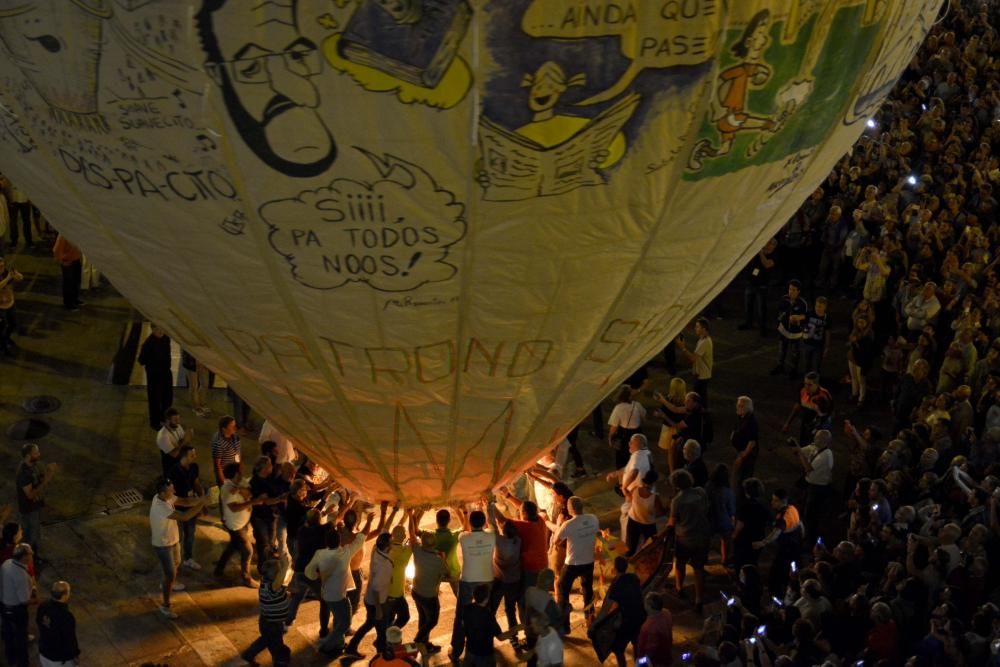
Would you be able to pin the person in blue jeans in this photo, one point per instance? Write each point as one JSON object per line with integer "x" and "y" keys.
{"x": 376, "y": 598}
{"x": 331, "y": 566}
{"x": 263, "y": 521}
{"x": 273, "y": 598}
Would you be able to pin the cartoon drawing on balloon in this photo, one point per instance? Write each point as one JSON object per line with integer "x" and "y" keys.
{"x": 578, "y": 86}
{"x": 781, "y": 80}
{"x": 264, "y": 67}
{"x": 392, "y": 234}
{"x": 893, "y": 54}
{"x": 57, "y": 45}
{"x": 734, "y": 85}
{"x": 406, "y": 47}
{"x": 553, "y": 153}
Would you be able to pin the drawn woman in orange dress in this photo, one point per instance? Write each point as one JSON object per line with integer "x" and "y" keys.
{"x": 734, "y": 86}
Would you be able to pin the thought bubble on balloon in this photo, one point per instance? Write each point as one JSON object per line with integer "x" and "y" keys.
{"x": 394, "y": 233}
{"x": 654, "y": 33}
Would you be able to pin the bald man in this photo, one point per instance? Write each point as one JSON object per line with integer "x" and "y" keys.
{"x": 57, "y": 645}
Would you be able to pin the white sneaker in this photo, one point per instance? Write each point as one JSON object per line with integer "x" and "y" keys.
{"x": 167, "y": 612}
{"x": 178, "y": 586}
{"x": 192, "y": 564}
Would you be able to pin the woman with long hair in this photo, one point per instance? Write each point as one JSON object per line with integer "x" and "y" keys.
{"x": 671, "y": 412}
{"x": 860, "y": 356}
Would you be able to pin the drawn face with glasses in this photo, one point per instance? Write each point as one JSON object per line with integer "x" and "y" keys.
{"x": 301, "y": 58}
{"x": 265, "y": 71}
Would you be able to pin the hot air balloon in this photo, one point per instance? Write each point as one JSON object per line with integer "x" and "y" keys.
{"x": 425, "y": 237}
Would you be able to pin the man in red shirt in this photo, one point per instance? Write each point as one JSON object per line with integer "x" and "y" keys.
{"x": 656, "y": 636}
{"x": 815, "y": 406}
{"x": 71, "y": 262}
{"x": 534, "y": 536}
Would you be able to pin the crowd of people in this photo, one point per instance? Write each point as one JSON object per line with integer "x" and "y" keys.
{"x": 894, "y": 565}
{"x": 304, "y": 535}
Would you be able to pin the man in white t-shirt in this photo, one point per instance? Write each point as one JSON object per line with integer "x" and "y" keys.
{"x": 639, "y": 463}
{"x": 817, "y": 465}
{"x": 626, "y": 419}
{"x": 476, "y": 544}
{"x": 580, "y": 535}
{"x": 332, "y": 566}
{"x": 166, "y": 536}
{"x": 170, "y": 438}
{"x": 237, "y": 502}
{"x": 285, "y": 451}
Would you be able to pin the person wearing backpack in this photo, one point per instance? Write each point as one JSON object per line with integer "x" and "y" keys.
{"x": 625, "y": 421}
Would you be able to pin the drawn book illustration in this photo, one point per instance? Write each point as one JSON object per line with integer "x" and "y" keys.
{"x": 416, "y": 44}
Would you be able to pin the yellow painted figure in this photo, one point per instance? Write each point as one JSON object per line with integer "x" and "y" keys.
{"x": 547, "y": 128}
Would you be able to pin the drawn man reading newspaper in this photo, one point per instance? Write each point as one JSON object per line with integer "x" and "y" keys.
{"x": 553, "y": 153}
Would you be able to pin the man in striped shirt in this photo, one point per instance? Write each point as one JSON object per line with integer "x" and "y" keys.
{"x": 225, "y": 447}
{"x": 273, "y": 612}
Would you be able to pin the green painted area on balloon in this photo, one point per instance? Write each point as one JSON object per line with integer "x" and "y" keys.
{"x": 846, "y": 49}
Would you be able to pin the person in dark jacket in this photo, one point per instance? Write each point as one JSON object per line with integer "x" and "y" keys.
{"x": 154, "y": 356}
{"x": 912, "y": 390}
{"x": 860, "y": 357}
{"x": 57, "y": 643}
{"x": 309, "y": 538}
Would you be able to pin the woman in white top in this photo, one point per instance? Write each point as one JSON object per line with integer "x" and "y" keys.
{"x": 626, "y": 421}
{"x": 645, "y": 507}
{"x": 811, "y": 604}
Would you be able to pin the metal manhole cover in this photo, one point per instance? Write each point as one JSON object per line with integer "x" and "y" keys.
{"x": 28, "y": 429}
{"x": 126, "y": 498}
{"x": 39, "y": 405}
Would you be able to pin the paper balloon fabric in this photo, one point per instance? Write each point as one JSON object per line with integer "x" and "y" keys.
{"x": 426, "y": 237}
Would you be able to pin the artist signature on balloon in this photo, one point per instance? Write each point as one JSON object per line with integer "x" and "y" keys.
{"x": 410, "y": 302}
{"x": 795, "y": 167}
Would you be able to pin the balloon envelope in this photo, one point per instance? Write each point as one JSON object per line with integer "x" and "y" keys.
{"x": 426, "y": 237}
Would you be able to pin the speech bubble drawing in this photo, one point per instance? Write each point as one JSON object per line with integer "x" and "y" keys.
{"x": 394, "y": 234}
{"x": 657, "y": 34}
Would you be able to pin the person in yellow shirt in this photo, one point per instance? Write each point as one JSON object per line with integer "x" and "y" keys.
{"x": 400, "y": 553}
